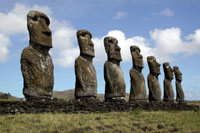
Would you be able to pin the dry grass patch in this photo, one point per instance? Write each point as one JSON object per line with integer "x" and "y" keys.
{"x": 134, "y": 121}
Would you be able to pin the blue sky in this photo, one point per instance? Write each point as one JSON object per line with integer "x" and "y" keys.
{"x": 167, "y": 29}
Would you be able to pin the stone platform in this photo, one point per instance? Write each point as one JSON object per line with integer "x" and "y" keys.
{"x": 88, "y": 106}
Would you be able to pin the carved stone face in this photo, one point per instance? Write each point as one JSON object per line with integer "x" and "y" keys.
{"x": 136, "y": 56}
{"x": 38, "y": 26}
{"x": 178, "y": 74}
{"x": 168, "y": 71}
{"x": 85, "y": 43}
{"x": 112, "y": 48}
{"x": 154, "y": 66}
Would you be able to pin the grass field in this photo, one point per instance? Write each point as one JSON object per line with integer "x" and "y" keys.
{"x": 134, "y": 121}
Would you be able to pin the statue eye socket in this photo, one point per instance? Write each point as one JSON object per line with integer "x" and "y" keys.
{"x": 110, "y": 41}
{"x": 83, "y": 34}
{"x": 35, "y": 18}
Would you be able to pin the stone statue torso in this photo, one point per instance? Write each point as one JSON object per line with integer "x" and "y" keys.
{"x": 37, "y": 69}
{"x": 115, "y": 84}
{"x": 86, "y": 82}
{"x": 154, "y": 88}
{"x": 179, "y": 92}
{"x": 138, "y": 89}
{"x": 168, "y": 90}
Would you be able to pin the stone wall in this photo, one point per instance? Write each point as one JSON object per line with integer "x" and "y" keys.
{"x": 87, "y": 106}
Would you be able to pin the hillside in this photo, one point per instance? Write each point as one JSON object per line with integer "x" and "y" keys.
{"x": 8, "y": 96}
{"x": 66, "y": 94}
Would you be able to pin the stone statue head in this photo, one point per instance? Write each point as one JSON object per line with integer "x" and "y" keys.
{"x": 168, "y": 71}
{"x": 112, "y": 49}
{"x": 178, "y": 74}
{"x": 38, "y": 27}
{"x": 137, "y": 57}
{"x": 154, "y": 66}
{"x": 85, "y": 43}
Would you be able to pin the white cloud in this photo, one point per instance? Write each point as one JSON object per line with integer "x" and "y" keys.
{"x": 64, "y": 50}
{"x": 14, "y": 22}
{"x": 165, "y": 45}
{"x": 67, "y": 57}
{"x": 4, "y": 43}
{"x": 168, "y": 43}
{"x": 63, "y": 33}
{"x": 120, "y": 15}
{"x": 167, "y": 12}
{"x": 124, "y": 43}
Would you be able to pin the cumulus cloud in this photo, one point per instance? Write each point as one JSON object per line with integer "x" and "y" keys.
{"x": 17, "y": 16}
{"x": 163, "y": 44}
{"x": 63, "y": 33}
{"x": 124, "y": 43}
{"x": 167, "y": 12}
{"x": 169, "y": 42}
{"x": 64, "y": 39}
{"x": 4, "y": 43}
{"x": 166, "y": 43}
{"x": 120, "y": 15}
{"x": 14, "y": 22}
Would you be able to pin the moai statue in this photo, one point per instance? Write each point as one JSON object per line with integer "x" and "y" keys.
{"x": 86, "y": 82}
{"x": 138, "y": 89}
{"x": 113, "y": 75}
{"x": 36, "y": 63}
{"x": 179, "y": 91}
{"x": 153, "y": 83}
{"x": 168, "y": 89}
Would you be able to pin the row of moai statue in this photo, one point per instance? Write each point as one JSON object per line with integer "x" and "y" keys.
{"x": 37, "y": 68}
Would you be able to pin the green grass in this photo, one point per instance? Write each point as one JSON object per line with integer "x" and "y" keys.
{"x": 134, "y": 121}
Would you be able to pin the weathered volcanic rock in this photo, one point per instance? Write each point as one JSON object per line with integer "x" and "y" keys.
{"x": 86, "y": 82}
{"x": 179, "y": 90}
{"x": 36, "y": 63}
{"x": 168, "y": 89}
{"x": 138, "y": 89}
{"x": 113, "y": 75}
{"x": 153, "y": 83}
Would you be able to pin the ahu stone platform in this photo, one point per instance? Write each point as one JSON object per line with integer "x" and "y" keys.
{"x": 88, "y": 106}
